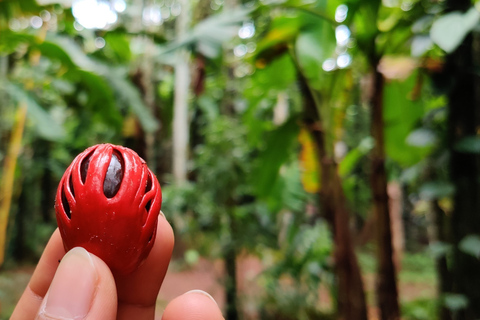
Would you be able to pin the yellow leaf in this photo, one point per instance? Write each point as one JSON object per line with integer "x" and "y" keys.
{"x": 309, "y": 163}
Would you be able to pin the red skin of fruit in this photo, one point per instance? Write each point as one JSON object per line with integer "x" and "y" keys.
{"x": 119, "y": 229}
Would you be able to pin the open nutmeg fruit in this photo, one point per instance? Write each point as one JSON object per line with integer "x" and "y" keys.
{"x": 108, "y": 202}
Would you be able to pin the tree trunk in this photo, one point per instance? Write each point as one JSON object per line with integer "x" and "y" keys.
{"x": 180, "y": 131}
{"x": 444, "y": 275}
{"x": 231, "y": 283}
{"x": 464, "y": 121}
{"x": 47, "y": 195}
{"x": 386, "y": 284}
{"x": 10, "y": 163}
{"x": 230, "y": 257}
{"x": 351, "y": 296}
{"x": 24, "y": 208}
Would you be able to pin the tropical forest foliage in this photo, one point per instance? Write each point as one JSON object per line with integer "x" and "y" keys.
{"x": 335, "y": 141}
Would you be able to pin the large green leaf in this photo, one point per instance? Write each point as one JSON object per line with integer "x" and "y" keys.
{"x": 315, "y": 44}
{"x": 208, "y": 35}
{"x": 77, "y": 55}
{"x": 43, "y": 122}
{"x": 119, "y": 46}
{"x": 349, "y": 162}
{"x": 283, "y": 31}
{"x": 450, "y": 30}
{"x": 80, "y": 69}
{"x": 436, "y": 190}
{"x": 401, "y": 116}
{"x": 470, "y": 144}
{"x": 278, "y": 148}
{"x": 9, "y": 40}
{"x": 471, "y": 245}
{"x": 279, "y": 74}
{"x": 365, "y": 17}
{"x": 12, "y": 8}
{"x": 51, "y": 49}
{"x": 54, "y": 52}
{"x": 101, "y": 99}
{"x": 64, "y": 3}
{"x": 130, "y": 96}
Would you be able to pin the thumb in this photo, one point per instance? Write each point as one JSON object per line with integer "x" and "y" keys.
{"x": 82, "y": 288}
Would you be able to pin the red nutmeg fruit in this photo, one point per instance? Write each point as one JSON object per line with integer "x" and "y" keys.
{"x": 108, "y": 202}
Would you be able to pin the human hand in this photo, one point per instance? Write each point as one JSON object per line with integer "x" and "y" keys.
{"x": 81, "y": 286}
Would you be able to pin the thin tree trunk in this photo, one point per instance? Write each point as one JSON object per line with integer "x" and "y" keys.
{"x": 17, "y": 242}
{"x": 386, "y": 282}
{"x": 351, "y": 296}
{"x": 230, "y": 258}
{"x": 464, "y": 120}
{"x": 8, "y": 177}
{"x": 180, "y": 132}
{"x": 439, "y": 233}
{"x": 444, "y": 275}
{"x": 43, "y": 152}
{"x": 231, "y": 285}
{"x": 149, "y": 98}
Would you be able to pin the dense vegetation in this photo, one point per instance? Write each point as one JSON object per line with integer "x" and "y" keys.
{"x": 278, "y": 129}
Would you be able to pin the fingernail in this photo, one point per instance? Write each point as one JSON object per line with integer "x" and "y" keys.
{"x": 162, "y": 214}
{"x": 202, "y": 293}
{"x": 73, "y": 287}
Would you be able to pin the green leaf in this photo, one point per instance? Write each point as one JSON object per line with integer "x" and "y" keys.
{"x": 439, "y": 249}
{"x": 10, "y": 40}
{"x": 469, "y": 145}
{"x": 450, "y": 30}
{"x": 64, "y": 3}
{"x": 77, "y": 55}
{"x": 209, "y": 107}
{"x": 422, "y": 138}
{"x": 365, "y": 17}
{"x": 278, "y": 75}
{"x": 349, "y": 162}
{"x": 283, "y": 30}
{"x": 100, "y": 97}
{"x": 436, "y": 190}
{"x": 470, "y": 245}
{"x": 411, "y": 174}
{"x": 312, "y": 47}
{"x": 45, "y": 125}
{"x": 208, "y": 35}
{"x": 455, "y": 302}
{"x": 130, "y": 96}
{"x": 123, "y": 88}
{"x": 401, "y": 117}
{"x": 278, "y": 149}
{"x": 15, "y": 8}
{"x": 55, "y": 52}
{"x": 420, "y": 45}
{"x": 49, "y": 48}
{"x": 119, "y": 46}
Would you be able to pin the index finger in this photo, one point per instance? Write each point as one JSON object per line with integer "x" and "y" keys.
{"x": 137, "y": 292}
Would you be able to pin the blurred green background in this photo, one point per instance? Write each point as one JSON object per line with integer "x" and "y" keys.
{"x": 318, "y": 159}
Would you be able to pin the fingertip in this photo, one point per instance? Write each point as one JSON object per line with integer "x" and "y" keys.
{"x": 193, "y": 305}
{"x": 165, "y": 237}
